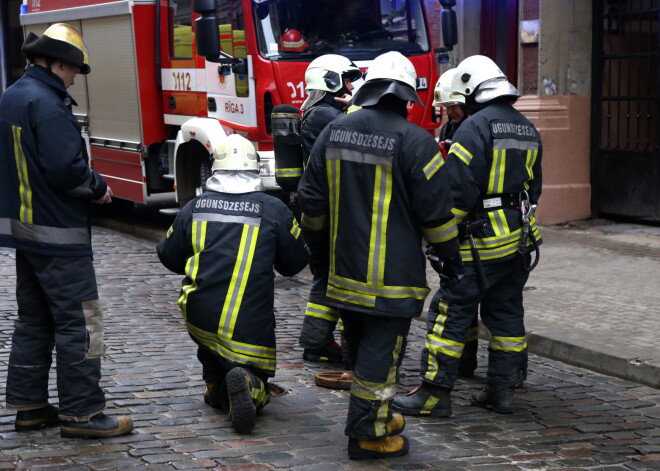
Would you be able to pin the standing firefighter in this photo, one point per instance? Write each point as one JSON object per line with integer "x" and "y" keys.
{"x": 375, "y": 185}
{"x": 328, "y": 83}
{"x": 495, "y": 168}
{"x": 46, "y": 190}
{"x": 226, "y": 243}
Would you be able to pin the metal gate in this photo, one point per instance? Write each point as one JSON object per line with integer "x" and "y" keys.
{"x": 625, "y": 157}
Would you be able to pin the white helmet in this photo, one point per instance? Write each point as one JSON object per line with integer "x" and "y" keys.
{"x": 235, "y": 153}
{"x": 481, "y": 75}
{"x": 327, "y": 72}
{"x": 443, "y": 93}
{"x": 389, "y": 73}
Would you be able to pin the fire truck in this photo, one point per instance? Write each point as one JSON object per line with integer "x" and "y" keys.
{"x": 159, "y": 64}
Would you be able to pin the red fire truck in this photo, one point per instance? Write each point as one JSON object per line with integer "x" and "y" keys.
{"x": 150, "y": 74}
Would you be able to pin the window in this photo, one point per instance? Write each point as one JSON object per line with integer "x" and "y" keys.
{"x": 180, "y": 29}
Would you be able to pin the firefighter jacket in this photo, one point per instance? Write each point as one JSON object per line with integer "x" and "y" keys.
{"x": 495, "y": 159}
{"x": 226, "y": 245}
{"x": 375, "y": 185}
{"x": 315, "y": 119}
{"x": 46, "y": 185}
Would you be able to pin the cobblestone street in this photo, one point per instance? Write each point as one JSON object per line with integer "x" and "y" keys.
{"x": 566, "y": 417}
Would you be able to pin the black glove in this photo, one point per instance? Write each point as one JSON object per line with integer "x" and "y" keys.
{"x": 451, "y": 269}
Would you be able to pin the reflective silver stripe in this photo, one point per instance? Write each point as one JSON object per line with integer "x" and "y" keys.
{"x": 353, "y": 298}
{"x": 461, "y": 152}
{"x": 443, "y": 233}
{"x": 434, "y": 165}
{"x": 383, "y": 291}
{"x": 332, "y": 153}
{"x": 47, "y": 234}
{"x": 514, "y": 144}
{"x": 82, "y": 190}
{"x": 214, "y": 217}
{"x": 288, "y": 172}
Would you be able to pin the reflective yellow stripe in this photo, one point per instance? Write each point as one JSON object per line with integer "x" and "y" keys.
{"x": 333, "y": 169}
{"x": 529, "y": 163}
{"x": 289, "y": 172}
{"x": 314, "y": 223}
{"x": 443, "y": 233}
{"x": 239, "y": 277}
{"x": 24, "y": 191}
{"x": 498, "y": 222}
{"x": 459, "y": 214}
{"x": 378, "y": 290}
{"x": 350, "y": 297}
{"x": 243, "y": 353}
{"x": 295, "y": 228}
{"x": 496, "y": 177}
{"x": 322, "y": 312}
{"x": 169, "y": 232}
{"x": 461, "y": 152}
{"x": 434, "y": 165}
{"x": 379, "y": 215}
{"x": 508, "y": 344}
{"x": 436, "y": 332}
{"x": 192, "y": 265}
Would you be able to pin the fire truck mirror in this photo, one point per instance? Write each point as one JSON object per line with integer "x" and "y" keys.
{"x": 205, "y": 6}
{"x": 448, "y": 24}
{"x": 241, "y": 68}
{"x": 207, "y": 37}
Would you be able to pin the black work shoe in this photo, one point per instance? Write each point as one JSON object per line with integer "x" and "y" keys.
{"x": 36, "y": 418}
{"x": 242, "y": 411}
{"x": 331, "y": 353}
{"x": 386, "y": 447}
{"x": 99, "y": 426}
{"x": 494, "y": 398}
{"x": 426, "y": 401}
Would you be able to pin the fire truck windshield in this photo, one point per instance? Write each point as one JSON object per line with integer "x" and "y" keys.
{"x": 294, "y": 30}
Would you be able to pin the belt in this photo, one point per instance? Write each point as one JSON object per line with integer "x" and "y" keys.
{"x": 503, "y": 200}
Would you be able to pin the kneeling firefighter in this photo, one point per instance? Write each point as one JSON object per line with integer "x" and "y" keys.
{"x": 226, "y": 242}
{"x": 495, "y": 168}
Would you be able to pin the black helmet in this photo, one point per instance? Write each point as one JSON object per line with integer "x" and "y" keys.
{"x": 59, "y": 41}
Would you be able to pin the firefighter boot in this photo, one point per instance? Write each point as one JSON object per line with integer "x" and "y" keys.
{"x": 468, "y": 361}
{"x": 212, "y": 395}
{"x": 496, "y": 398}
{"x": 330, "y": 353}
{"x": 35, "y": 419}
{"x": 242, "y": 411}
{"x": 386, "y": 447}
{"x": 396, "y": 425}
{"x": 426, "y": 401}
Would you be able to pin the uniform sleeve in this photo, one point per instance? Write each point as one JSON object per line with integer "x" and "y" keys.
{"x": 62, "y": 157}
{"x": 467, "y": 168}
{"x": 175, "y": 248}
{"x": 536, "y": 183}
{"x": 291, "y": 254}
{"x": 312, "y": 198}
{"x": 315, "y": 122}
{"x": 429, "y": 191}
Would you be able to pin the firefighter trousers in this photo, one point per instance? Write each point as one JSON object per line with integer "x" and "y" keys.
{"x": 58, "y": 307}
{"x": 452, "y": 312}
{"x": 215, "y": 369}
{"x": 377, "y": 346}
{"x": 320, "y": 319}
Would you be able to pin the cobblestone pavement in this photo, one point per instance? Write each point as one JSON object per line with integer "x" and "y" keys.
{"x": 566, "y": 417}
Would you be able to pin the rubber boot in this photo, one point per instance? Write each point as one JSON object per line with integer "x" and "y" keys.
{"x": 330, "y": 353}
{"x": 98, "y": 426}
{"x": 396, "y": 425}
{"x": 36, "y": 419}
{"x": 496, "y": 398}
{"x": 426, "y": 401}
{"x": 242, "y": 411}
{"x": 386, "y": 447}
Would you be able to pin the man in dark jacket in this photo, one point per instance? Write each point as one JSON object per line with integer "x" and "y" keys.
{"x": 375, "y": 185}
{"x": 226, "y": 243}
{"x": 46, "y": 187}
{"x": 495, "y": 169}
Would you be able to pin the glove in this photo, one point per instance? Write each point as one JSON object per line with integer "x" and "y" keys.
{"x": 444, "y": 148}
{"x": 450, "y": 269}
